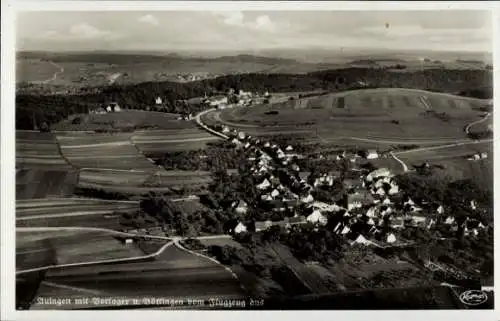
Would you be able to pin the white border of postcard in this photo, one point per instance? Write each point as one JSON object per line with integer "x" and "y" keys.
{"x": 9, "y": 9}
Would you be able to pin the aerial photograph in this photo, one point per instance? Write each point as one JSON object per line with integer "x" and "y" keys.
{"x": 254, "y": 160}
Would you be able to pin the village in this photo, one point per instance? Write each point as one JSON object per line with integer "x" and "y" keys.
{"x": 372, "y": 211}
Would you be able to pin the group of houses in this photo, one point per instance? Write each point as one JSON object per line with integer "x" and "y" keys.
{"x": 110, "y": 108}
{"x": 232, "y": 98}
{"x": 371, "y": 212}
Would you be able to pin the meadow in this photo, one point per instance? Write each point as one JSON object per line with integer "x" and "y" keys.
{"x": 395, "y": 115}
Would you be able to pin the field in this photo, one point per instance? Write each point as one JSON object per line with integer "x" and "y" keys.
{"x": 157, "y": 141}
{"x": 71, "y": 212}
{"x": 34, "y": 70}
{"x": 74, "y": 247}
{"x": 92, "y": 150}
{"x": 387, "y": 116}
{"x": 41, "y": 170}
{"x": 35, "y": 149}
{"x": 126, "y": 119}
{"x": 139, "y": 182}
{"x": 175, "y": 274}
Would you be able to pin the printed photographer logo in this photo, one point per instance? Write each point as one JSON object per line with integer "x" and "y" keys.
{"x": 473, "y": 297}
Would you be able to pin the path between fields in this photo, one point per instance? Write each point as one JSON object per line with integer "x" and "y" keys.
{"x": 54, "y": 77}
{"x": 178, "y": 245}
{"x": 172, "y": 240}
{"x": 467, "y": 129}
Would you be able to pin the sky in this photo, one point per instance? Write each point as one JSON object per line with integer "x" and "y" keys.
{"x": 173, "y": 31}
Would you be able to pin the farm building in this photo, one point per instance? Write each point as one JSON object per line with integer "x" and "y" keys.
{"x": 264, "y": 185}
{"x": 240, "y": 228}
{"x": 317, "y": 218}
{"x": 371, "y": 154}
{"x": 381, "y": 172}
{"x": 241, "y": 207}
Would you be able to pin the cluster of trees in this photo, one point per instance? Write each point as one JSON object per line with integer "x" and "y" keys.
{"x": 52, "y": 109}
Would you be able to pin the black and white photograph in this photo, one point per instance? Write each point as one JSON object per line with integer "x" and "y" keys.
{"x": 254, "y": 159}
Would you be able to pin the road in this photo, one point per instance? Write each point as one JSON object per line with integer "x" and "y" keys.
{"x": 467, "y": 129}
{"x": 405, "y": 167}
{"x": 54, "y": 77}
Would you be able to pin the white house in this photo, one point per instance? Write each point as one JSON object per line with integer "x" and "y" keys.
{"x": 361, "y": 240}
{"x": 449, "y": 220}
{"x": 381, "y": 172}
{"x": 371, "y": 212}
{"x": 440, "y": 209}
{"x": 158, "y": 101}
{"x": 275, "y": 193}
{"x": 129, "y": 241}
{"x": 370, "y": 221}
{"x": 394, "y": 189}
{"x": 345, "y": 230}
{"x": 267, "y": 144}
{"x": 241, "y": 207}
{"x": 225, "y": 129}
{"x": 317, "y": 218}
{"x": 109, "y": 109}
{"x": 483, "y": 155}
{"x": 409, "y": 202}
{"x": 391, "y": 238}
{"x": 307, "y": 199}
{"x": 473, "y": 205}
{"x": 266, "y": 197}
{"x": 241, "y": 135}
{"x": 387, "y": 201}
{"x": 265, "y": 184}
{"x": 240, "y": 228}
{"x": 380, "y": 191}
{"x": 289, "y": 148}
{"x": 371, "y": 154}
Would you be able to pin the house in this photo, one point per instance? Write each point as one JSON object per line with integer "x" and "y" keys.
{"x": 158, "y": 101}
{"x": 267, "y": 144}
{"x": 113, "y": 107}
{"x": 295, "y": 167}
{"x": 449, "y": 220}
{"x": 264, "y": 185}
{"x": 386, "y": 201}
{"x": 345, "y": 230}
{"x": 241, "y": 207}
{"x": 391, "y": 238}
{"x": 240, "y": 228}
{"x": 289, "y": 148}
{"x": 275, "y": 193}
{"x": 266, "y": 197}
{"x": 129, "y": 241}
{"x": 393, "y": 190}
{"x": 241, "y": 135}
{"x": 317, "y": 218}
{"x": 361, "y": 240}
{"x": 370, "y": 221}
{"x": 440, "y": 209}
{"x": 381, "y": 172}
{"x": 372, "y": 212}
{"x": 409, "y": 202}
{"x": 380, "y": 191}
{"x": 371, "y": 154}
{"x": 225, "y": 130}
{"x": 473, "y": 205}
{"x": 483, "y": 155}
{"x": 307, "y": 199}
